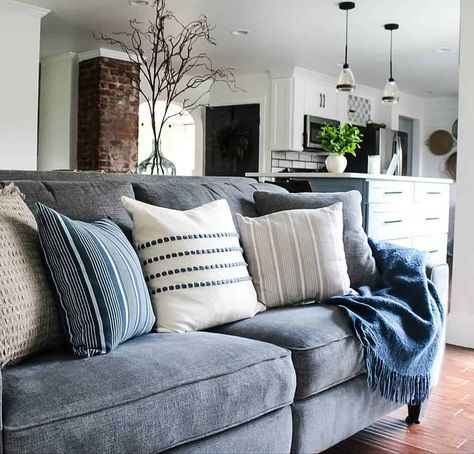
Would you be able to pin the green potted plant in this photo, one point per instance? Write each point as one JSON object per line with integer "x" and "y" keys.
{"x": 338, "y": 141}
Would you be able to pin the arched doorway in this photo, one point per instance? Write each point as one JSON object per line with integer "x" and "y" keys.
{"x": 178, "y": 139}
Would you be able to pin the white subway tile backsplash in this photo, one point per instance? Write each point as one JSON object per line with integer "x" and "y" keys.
{"x": 292, "y": 155}
{"x": 317, "y": 158}
{"x": 299, "y": 165}
{"x": 296, "y": 160}
{"x": 305, "y": 157}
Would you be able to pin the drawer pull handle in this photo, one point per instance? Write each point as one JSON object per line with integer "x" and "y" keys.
{"x": 433, "y": 193}
{"x": 393, "y": 192}
{"x": 398, "y": 221}
{"x": 431, "y": 219}
{"x": 434, "y": 251}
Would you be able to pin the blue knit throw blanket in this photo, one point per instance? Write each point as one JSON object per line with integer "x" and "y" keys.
{"x": 399, "y": 324}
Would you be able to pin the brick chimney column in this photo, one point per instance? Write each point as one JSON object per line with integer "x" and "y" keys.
{"x": 107, "y": 115}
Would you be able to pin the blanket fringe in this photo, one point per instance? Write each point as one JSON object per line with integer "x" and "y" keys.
{"x": 396, "y": 387}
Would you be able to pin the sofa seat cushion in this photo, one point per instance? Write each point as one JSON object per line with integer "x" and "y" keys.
{"x": 324, "y": 350}
{"x": 150, "y": 394}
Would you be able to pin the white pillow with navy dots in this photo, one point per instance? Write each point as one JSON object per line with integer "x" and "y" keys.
{"x": 193, "y": 265}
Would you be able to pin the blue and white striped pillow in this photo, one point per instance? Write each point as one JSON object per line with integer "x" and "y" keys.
{"x": 99, "y": 280}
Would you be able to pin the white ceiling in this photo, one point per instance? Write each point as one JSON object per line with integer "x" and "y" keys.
{"x": 287, "y": 33}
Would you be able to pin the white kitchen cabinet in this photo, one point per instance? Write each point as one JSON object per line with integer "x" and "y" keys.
{"x": 287, "y": 119}
{"x": 292, "y": 99}
{"x": 305, "y": 92}
{"x": 320, "y": 100}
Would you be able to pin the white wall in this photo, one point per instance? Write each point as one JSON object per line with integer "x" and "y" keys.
{"x": 461, "y": 318}
{"x": 439, "y": 113}
{"x": 19, "y": 47}
{"x": 57, "y": 139}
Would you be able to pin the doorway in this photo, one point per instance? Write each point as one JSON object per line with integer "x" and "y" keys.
{"x": 232, "y": 140}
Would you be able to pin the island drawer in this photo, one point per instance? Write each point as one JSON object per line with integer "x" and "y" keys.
{"x": 434, "y": 245}
{"x": 387, "y": 223}
{"x": 432, "y": 193}
{"x": 430, "y": 219}
{"x": 399, "y": 192}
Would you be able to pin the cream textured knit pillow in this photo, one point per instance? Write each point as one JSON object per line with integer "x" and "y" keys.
{"x": 193, "y": 265}
{"x": 28, "y": 313}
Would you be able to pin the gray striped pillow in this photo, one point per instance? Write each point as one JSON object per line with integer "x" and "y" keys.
{"x": 296, "y": 256}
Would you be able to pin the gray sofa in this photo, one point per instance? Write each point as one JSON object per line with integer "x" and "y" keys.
{"x": 290, "y": 379}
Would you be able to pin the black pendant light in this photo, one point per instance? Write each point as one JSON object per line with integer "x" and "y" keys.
{"x": 346, "y": 81}
{"x": 390, "y": 92}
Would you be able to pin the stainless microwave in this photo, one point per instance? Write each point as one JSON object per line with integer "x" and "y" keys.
{"x": 312, "y": 126}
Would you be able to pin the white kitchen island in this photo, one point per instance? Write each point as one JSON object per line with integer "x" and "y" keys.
{"x": 410, "y": 211}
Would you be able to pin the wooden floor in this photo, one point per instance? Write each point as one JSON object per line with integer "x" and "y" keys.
{"x": 447, "y": 425}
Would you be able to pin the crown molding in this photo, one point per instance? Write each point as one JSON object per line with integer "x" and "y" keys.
{"x": 30, "y": 10}
{"x": 102, "y": 52}
{"x": 68, "y": 56}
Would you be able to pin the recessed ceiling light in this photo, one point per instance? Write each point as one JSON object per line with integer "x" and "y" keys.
{"x": 240, "y": 32}
{"x": 444, "y": 50}
{"x": 140, "y": 2}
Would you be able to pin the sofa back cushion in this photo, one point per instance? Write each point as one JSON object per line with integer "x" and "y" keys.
{"x": 28, "y": 311}
{"x": 83, "y": 201}
{"x": 185, "y": 195}
{"x": 89, "y": 196}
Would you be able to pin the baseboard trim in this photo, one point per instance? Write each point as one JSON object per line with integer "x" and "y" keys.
{"x": 461, "y": 330}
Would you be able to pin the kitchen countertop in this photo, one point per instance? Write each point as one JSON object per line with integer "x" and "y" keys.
{"x": 363, "y": 176}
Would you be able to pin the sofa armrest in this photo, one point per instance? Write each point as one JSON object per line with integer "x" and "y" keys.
{"x": 439, "y": 274}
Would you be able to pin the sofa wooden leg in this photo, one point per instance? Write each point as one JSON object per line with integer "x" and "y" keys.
{"x": 413, "y": 414}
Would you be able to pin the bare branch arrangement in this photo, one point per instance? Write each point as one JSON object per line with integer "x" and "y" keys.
{"x": 170, "y": 69}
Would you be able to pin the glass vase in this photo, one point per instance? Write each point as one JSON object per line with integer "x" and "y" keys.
{"x": 157, "y": 163}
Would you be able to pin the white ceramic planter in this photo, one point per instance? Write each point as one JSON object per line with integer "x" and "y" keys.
{"x": 336, "y": 163}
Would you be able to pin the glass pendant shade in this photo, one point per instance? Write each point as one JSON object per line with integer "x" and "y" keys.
{"x": 390, "y": 93}
{"x": 346, "y": 81}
